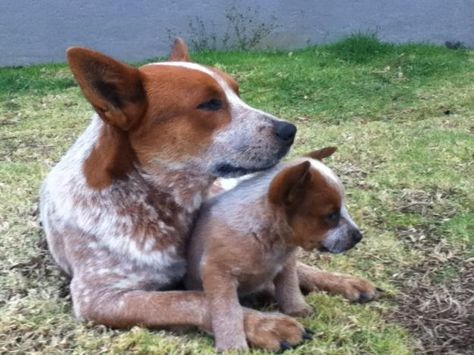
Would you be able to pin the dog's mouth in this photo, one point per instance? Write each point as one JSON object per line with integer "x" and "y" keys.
{"x": 229, "y": 170}
{"x": 336, "y": 249}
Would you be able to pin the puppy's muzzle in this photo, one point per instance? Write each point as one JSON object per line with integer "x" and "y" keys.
{"x": 342, "y": 242}
{"x": 356, "y": 236}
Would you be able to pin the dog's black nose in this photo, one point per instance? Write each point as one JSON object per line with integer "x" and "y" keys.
{"x": 285, "y": 131}
{"x": 356, "y": 236}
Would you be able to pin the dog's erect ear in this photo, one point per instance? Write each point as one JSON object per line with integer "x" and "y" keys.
{"x": 179, "y": 52}
{"x": 321, "y": 153}
{"x": 288, "y": 187}
{"x": 114, "y": 89}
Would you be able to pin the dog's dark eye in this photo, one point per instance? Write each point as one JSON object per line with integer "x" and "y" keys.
{"x": 211, "y": 105}
{"x": 334, "y": 217}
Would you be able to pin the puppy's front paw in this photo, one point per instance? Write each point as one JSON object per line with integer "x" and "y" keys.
{"x": 356, "y": 289}
{"x": 231, "y": 344}
{"x": 298, "y": 310}
{"x": 273, "y": 331}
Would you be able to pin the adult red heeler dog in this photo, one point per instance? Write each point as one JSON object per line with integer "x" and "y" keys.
{"x": 118, "y": 208}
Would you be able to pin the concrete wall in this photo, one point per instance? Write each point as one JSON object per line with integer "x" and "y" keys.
{"x": 38, "y": 31}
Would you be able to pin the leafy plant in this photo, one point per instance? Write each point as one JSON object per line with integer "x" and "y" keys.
{"x": 244, "y": 31}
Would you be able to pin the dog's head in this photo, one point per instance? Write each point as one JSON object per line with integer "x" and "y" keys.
{"x": 180, "y": 114}
{"x": 312, "y": 197}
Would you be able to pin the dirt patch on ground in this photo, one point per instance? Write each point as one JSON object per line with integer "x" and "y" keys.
{"x": 436, "y": 302}
{"x": 439, "y": 315}
{"x": 432, "y": 202}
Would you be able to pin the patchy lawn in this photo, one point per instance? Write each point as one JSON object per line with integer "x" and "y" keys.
{"x": 402, "y": 117}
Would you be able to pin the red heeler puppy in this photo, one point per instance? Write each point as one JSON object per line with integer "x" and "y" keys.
{"x": 245, "y": 240}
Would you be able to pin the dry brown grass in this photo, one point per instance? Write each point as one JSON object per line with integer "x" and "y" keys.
{"x": 441, "y": 314}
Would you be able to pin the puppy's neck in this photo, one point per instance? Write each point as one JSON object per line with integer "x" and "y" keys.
{"x": 277, "y": 232}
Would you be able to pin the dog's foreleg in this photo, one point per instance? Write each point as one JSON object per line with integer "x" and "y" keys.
{"x": 155, "y": 309}
{"x": 351, "y": 287}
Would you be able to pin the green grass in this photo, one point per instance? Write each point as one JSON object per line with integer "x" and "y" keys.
{"x": 402, "y": 119}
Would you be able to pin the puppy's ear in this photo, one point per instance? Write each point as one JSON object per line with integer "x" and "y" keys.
{"x": 321, "y": 153}
{"x": 114, "y": 89}
{"x": 288, "y": 187}
{"x": 179, "y": 52}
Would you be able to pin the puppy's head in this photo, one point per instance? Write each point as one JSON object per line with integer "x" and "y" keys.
{"x": 312, "y": 198}
{"x": 180, "y": 114}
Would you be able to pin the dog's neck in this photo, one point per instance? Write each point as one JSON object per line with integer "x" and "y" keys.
{"x": 187, "y": 186}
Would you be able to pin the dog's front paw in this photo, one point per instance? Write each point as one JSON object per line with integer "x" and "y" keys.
{"x": 351, "y": 287}
{"x": 273, "y": 331}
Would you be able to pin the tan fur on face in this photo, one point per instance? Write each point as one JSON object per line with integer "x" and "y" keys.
{"x": 148, "y": 111}
{"x": 306, "y": 197}
{"x": 173, "y": 114}
{"x": 157, "y": 118}
{"x": 308, "y": 217}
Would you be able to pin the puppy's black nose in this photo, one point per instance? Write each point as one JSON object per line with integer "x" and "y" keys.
{"x": 356, "y": 236}
{"x": 285, "y": 131}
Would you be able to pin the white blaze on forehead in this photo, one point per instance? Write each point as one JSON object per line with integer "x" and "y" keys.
{"x": 331, "y": 177}
{"x": 324, "y": 170}
{"x": 327, "y": 173}
{"x": 231, "y": 96}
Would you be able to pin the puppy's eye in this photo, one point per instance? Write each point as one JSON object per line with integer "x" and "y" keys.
{"x": 333, "y": 218}
{"x": 211, "y": 105}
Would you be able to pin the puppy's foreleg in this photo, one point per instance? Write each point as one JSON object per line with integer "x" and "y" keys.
{"x": 287, "y": 291}
{"x": 226, "y": 312}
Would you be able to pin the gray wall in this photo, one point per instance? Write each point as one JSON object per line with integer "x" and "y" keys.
{"x": 38, "y": 31}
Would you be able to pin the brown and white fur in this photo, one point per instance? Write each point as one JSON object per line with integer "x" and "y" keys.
{"x": 118, "y": 207}
{"x": 246, "y": 239}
